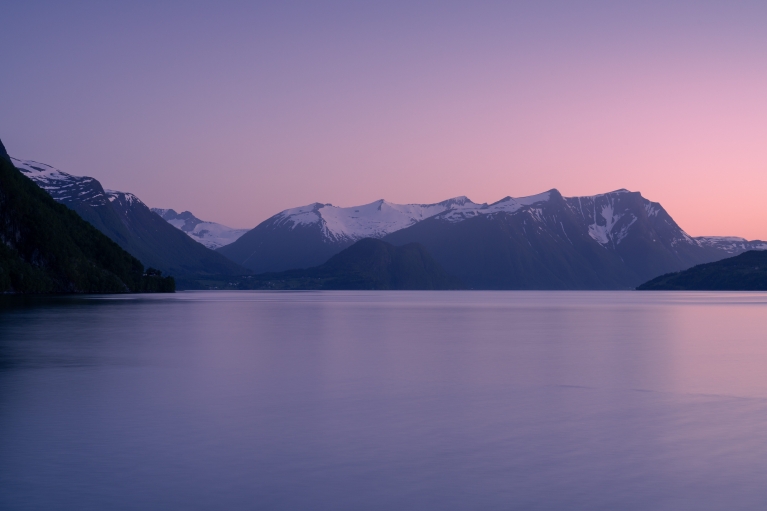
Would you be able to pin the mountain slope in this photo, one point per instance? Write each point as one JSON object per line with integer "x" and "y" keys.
{"x": 640, "y": 232}
{"x": 744, "y": 272}
{"x": 515, "y": 251}
{"x": 129, "y": 223}
{"x": 47, "y": 248}
{"x": 608, "y": 241}
{"x": 367, "y": 264}
{"x": 210, "y": 234}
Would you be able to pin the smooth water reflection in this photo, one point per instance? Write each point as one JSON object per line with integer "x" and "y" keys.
{"x": 385, "y": 400}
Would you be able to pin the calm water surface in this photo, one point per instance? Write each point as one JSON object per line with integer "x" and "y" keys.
{"x": 385, "y": 401}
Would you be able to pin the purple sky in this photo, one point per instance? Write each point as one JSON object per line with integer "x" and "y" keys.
{"x": 237, "y": 110}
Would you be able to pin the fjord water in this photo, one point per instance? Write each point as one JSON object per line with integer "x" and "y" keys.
{"x": 385, "y": 400}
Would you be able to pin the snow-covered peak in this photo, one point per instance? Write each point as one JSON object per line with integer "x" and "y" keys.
{"x": 457, "y": 201}
{"x": 381, "y": 217}
{"x": 375, "y": 220}
{"x": 468, "y": 209}
{"x": 37, "y": 171}
{"x": 210, "y": 234}
{"x": 63, "y": 187}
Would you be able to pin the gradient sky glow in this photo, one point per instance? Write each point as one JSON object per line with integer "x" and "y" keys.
{"x": 237, "y": 110}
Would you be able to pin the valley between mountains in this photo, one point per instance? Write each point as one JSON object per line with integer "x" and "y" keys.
{"x": 614, "y": 240}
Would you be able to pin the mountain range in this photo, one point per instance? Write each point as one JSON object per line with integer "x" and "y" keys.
{"x": 614, "y": 240}
{"x": 308, "y": 236}
{"x": 127, "y": 221}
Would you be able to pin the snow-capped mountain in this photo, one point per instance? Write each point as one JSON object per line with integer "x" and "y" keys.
{"x": 373, "y": 220}
{"x": 380, "y": 218}
{"x": 612, "y": 240}
{"x": 606, "y": 241}
{"x": 210, "y": 234}
{"x": 731, "y": 244}
{"x": 126, "y": 220}
{"x": 310, "y": 235}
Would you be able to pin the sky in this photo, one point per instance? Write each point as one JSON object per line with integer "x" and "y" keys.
{"x": 238, "y": 110}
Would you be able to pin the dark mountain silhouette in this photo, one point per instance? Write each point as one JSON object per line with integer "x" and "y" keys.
{"x": 744, "y": 272}
{"x": 367, "y": 264}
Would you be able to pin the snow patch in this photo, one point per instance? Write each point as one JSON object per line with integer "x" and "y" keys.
{"x": 651, "y": 209}
{"x": 603, "y": 233}
{"x": 214, "y": 235}
{"x": 126, "y": 197}
{"x": 63, "y": 187}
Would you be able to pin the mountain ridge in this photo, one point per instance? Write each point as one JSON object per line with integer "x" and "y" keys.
{"x": 622, "y": 234}
{"x": 46, "y": 247}
{"x": 127, "y": 221}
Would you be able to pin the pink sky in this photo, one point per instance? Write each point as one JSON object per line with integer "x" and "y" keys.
{"x": 236, "y": 113}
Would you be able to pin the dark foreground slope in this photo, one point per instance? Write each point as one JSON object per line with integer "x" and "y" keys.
{"x": 47, "y": 248}
{"x": 368, "y": 264}
{"x": 744, "y": 272}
